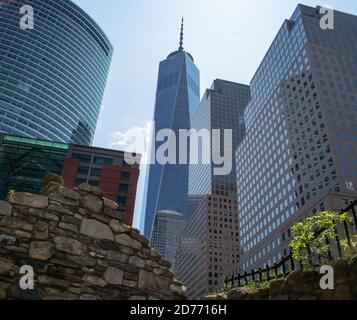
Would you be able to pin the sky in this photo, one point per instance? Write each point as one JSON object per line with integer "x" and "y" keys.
{"x": 227, "y": 38}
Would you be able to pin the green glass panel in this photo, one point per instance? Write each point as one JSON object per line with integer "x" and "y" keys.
{"x": 37, "y": 142}
{"x": 24, "y": 162}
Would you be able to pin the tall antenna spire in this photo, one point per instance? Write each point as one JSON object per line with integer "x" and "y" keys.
{"x": 181, "y": 37}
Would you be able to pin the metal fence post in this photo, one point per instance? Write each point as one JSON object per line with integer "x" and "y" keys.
{"x": 284, "y": 267}
{"x": 268, "y": 272}
{"x": 338, "y": 244}
{"x": 354, "y": 213}
{"x": 292, "y": 260}
{"x": 329, "y": 252}
{"x": 347, "y": 234}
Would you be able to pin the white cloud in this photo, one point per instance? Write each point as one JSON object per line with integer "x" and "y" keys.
{"x": 136, "y": 139}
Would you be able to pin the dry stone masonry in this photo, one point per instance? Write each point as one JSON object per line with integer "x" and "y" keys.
{"x": 79, "y": 249}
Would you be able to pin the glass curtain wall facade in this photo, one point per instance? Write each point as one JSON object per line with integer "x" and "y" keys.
{"x": 25, "y": 162}
{"x": 222, "y": 107}
{"x": 298, "y": 154}
{"x": 165, "y": 235}
{"x": 52, "y": 78}
{"x": 177, "y": 98}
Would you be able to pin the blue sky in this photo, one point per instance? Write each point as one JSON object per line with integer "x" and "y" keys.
{"x": 227, "y": 38}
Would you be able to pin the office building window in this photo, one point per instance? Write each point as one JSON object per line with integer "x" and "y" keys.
{"x": 80, "y": 181}
{"x": 122, "y": 201}
{"x": 125, "y": 175}
{"x": 95, "y": 172}
{"x": 102, "y": 160}
{"x": 83, "y": 170}
{"x": 123, "y": 187}
{"x": 85, "y": 158}
{"x": 94, "y": 183}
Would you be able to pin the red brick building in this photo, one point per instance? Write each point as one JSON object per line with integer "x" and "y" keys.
{"x": 106, "y": 169}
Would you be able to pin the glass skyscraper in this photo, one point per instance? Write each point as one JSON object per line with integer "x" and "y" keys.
{"x": 300, "y": 149}
{"x": 165, "y": 235}
{"x": 52, "y": 78}
{"x": 209, "y": 244}
{"x": 177, "y": 98}
{"x": 221, "y": 108}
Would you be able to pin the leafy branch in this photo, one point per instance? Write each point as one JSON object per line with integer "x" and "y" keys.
{"x": 310, "y": 238}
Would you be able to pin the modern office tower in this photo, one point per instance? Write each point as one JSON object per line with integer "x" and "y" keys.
{"x": 209, "y": 244}
{"x": 165, "y": 235}
{"x": 222, "y": 107}
{"x": 177, "y": 98}
{"x": 24, "y": 162}
{"x": 52, "y": 77}
{"x": 299, "y": 153}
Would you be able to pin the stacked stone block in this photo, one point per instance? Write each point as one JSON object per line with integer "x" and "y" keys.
{"x": 79, "y": 249}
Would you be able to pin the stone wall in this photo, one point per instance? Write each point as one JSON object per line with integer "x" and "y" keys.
{"x": 78, "y": 248}
{"x": 303, "y": 285}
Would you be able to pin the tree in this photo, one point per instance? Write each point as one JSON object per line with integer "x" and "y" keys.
{"x": 309, "y": 237}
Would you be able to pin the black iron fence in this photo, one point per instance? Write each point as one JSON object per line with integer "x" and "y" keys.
{"x": 288, "y": 264}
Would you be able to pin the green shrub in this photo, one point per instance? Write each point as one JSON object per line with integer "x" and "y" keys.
{"x": 307, "y": 243}
{"x": 349, "y": 250}
{"x": 9, "y": 194}
{"x": 253, "y": 285}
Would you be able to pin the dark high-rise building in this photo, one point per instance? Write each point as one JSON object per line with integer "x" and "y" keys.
{"x": 165, "y": 235}
{"x": 24, "y": 162}
{"x": 177, "y": 98}
{"x": 299, "y": 153}
{"x": 222, "y": 107}
{"x": 208, "y": 247}
{"x": 209, "y": 243}
{"x": 52, "y": 77}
